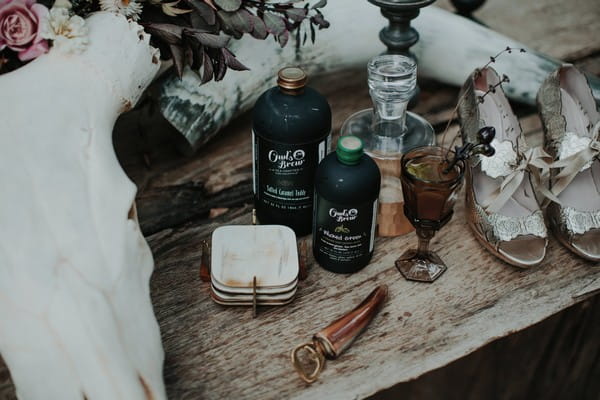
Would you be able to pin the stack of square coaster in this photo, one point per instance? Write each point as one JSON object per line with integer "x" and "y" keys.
{"x": 254, "y": 261}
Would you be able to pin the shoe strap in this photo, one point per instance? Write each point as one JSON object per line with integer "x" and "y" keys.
{"x": 534, "y": 161}
{"x": 580, "y": 160}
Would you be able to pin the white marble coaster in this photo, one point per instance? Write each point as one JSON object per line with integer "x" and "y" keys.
{"x": 242, "y": 252}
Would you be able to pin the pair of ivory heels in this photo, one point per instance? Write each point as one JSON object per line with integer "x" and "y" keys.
{"x": 503, "y": 190}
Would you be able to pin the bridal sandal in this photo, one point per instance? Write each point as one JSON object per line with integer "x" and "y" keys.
{"x": 571, "y": 124}
{"x": 502, "y": 209}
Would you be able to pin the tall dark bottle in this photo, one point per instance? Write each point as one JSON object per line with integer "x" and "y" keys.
{"x": 347, "y": 187}
{"x": 291, "y": 135}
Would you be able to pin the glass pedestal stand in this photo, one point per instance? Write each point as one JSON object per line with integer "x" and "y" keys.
{"x": 421, "y": 264}
{"x": 388, "y": 130}
{"x": 418, "y": 133}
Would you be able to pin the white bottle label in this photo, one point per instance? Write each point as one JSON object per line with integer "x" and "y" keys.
{"x": 373, "y": 225}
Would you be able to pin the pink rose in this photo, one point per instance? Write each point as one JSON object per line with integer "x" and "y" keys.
{"x": 20, "y": 27}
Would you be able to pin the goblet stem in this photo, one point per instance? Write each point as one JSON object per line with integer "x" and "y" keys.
{"x": 420, "y": 264}
{"x": 425, "y": 236}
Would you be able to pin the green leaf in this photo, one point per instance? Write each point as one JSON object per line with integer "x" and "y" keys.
{"x": 240, "y": 21}
{"x": 274, "y": 23}
{"x": 204, "y": 10}
{"x": 199, "y": 23}
{"x": 319, "y": 4}
{"x": 229, "y": 5}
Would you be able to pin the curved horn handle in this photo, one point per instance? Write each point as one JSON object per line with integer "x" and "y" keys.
{"x": 339, "y": 335}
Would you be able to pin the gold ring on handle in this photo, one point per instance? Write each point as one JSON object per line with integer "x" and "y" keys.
{"x": 315, "y": 355}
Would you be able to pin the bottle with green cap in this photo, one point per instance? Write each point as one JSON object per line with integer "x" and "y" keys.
{"x": 346, "y": 191}
{"x": 291, "y": 134}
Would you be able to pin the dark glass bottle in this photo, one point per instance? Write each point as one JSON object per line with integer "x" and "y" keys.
{"x": 291, "y": 135}
{"x": 347, "y": 187}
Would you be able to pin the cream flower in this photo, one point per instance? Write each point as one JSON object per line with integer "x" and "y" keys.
{"x": 129, "y": 8}
{"x": 503, "y": 162}
{"x": 68, "y": 33}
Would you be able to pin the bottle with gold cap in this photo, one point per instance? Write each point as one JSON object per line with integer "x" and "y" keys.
{"x": 290, "y": 135}
{"x": 346, "y": 190}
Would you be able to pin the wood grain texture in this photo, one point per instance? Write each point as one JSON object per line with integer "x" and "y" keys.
{"x": 422, "y": 327}
{"x": 558, "y": 358}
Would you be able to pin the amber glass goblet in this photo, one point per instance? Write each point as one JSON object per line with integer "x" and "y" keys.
{"x": 430, "y": 190}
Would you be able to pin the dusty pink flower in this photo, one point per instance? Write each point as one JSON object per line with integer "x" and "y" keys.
{"x": 21, "y": 22}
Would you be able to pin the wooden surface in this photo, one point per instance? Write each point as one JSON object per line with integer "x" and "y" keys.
{"x": 213, "y": 352}
{"x": 558, "y": 358}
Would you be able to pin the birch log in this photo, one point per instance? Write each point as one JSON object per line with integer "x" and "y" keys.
{"x": 77, "y": 321}
{"x": 450, "y": 47}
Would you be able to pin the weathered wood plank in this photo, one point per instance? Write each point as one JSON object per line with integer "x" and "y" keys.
{"x": 422, "y": 327}
{"x": 552, "y": 360}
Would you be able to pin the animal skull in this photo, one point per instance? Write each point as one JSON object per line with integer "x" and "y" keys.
{"x": 77, "y": 321}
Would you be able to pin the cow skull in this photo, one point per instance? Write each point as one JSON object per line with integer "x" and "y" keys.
{"x": 75, "y": 310}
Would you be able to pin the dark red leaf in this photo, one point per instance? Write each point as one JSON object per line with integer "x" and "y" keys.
{"x": 233, "y": 62}
{"x": 220, "y": 66}
{"x": 260, "y": 30}
{"x": 197, "y": 54}
{"x": 207, "y": 74}
{"x": 169, "y": 33}
{"x": 296, "y": 14}
{"x": 319, "y": 20}
{"x": 207, "y": 39}
{"x": 188, "y": 55}
{"x": 283, "y": 38}
{"x": 178, "y": 59}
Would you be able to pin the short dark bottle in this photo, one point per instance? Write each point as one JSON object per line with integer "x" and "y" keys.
{"x": 347, "y": 187}
{"x": 291, "y": 135}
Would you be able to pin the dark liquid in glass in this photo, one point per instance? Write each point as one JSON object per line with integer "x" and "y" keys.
{"x": 428, "y": 190}
{"x": 429, "y": 194}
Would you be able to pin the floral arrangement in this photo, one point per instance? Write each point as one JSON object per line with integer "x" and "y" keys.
{"x": 193, "y": 33}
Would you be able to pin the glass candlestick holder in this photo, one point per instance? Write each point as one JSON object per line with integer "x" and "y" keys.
{"x": 388, "y": 131}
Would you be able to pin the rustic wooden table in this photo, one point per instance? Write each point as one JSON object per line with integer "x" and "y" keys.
{"x": 218, "y": 352}
{"x": 214, "y": 352}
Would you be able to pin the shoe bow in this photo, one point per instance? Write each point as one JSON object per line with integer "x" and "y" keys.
{"x": 534, "y": 161}
{"x": 576, "y": 157}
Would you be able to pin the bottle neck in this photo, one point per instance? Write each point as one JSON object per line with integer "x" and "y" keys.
{"x": 392, "y": 82}
{"x": 292, "y": 92}
{"x": 389, "y": 117}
